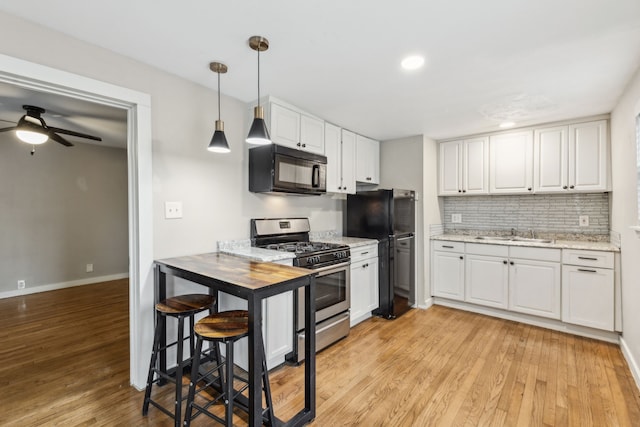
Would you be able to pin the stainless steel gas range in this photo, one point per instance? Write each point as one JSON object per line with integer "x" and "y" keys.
{"x": 331, "y": 264}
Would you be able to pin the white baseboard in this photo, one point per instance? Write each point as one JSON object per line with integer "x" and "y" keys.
{"x": 633, "y": 364}
{"x": 62, "y": 285}
{"x": 426, "y": 304}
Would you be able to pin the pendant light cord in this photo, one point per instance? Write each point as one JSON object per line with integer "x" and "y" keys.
{"x": 218, "y": 95}
{"x": 258, "y": 74}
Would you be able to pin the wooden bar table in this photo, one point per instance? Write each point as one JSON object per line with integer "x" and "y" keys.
{"x": 252, "y": 281}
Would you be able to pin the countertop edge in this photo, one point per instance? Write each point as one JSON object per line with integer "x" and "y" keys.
{"x": 558, "y": 244}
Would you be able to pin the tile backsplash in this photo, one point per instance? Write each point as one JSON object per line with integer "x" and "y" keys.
{"x": 550, "y": 213}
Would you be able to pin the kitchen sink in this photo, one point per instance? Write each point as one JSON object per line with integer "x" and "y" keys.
{"x": 514, "y": 239}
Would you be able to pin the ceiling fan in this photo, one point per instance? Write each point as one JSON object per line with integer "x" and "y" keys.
{"x": 32, "y": 129}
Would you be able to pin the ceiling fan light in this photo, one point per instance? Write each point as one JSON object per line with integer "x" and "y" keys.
{"x": 219, "y": 142}
{"x": 31, "y": 137}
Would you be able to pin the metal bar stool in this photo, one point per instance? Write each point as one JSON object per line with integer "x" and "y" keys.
{"x": 178, "y": 307}
{"x": 225, "y": 327}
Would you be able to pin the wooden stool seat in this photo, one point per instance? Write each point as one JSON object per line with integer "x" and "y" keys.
{"x": 180, "y": 307}
{"x": 223, "y": 326}
{"x": 186, "y": 304}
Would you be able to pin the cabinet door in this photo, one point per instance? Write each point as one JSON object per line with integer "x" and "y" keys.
{"x": 534, "y": 287}
{"x": 361, "y": 290}
{"x": 588, "y": 156}
{"x": 311, "y": 134}
{"x": 511, "y": 163}
{"x": 475, "y": 166}
{"x": 450, "y": 170}
{"x": 448, "y": 275}
{"x": 367, "y": 160}
{"x": 285, "y": 126}
{"x": 486, "y": 280}
{"x": 278, "y": 327}
{"x": 348, "y": 162}
{"x": 550, "y": 161}
{"x": 587, "y": 297}
{"x": 332, "y": 146}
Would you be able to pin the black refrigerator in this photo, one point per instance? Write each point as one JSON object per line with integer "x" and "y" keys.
{"x": 389, "y": 217}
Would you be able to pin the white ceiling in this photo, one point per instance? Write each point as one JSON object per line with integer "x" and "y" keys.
{"x": 530, "y": 61}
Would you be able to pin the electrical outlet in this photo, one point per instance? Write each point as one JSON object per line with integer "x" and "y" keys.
{"x": 456, "y": 218}
{"x": 89, "y": 268}
{"x": 584, "y": 220}
{"x": 22, "y": 284}
{"x": 172, "y": 210}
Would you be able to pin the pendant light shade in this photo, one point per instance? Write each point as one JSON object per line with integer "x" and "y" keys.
{"x": 218, "y": 143}
{"x": 258, "y": 134}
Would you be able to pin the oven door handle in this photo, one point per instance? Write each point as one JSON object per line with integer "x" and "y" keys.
{"x": 324, "y": 271}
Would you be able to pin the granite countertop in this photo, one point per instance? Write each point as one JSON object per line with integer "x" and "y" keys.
{"x": 558, "y": 244}
{"x": 243, "y": 248}
{"x": 333, "y": 236}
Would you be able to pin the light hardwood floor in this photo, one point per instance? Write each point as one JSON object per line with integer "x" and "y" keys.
{"x": 65, "y": 361}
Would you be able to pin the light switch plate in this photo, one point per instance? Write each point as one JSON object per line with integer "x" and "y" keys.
{"x": 584, "y": 220}
{"x": 456, "y": 218}
{"x": 172, "y": 210}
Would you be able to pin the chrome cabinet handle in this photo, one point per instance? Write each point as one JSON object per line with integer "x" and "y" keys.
{"x": 448, "y": 247}
{"x": 587, "y": 271}
{"x": 588, "y": 258}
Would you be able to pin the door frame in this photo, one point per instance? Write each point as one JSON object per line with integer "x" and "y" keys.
{"x": 41, "y": 78}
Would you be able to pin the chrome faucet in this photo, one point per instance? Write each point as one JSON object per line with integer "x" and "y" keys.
{"x": 513, "y": 231}
{"x": 533, "y": 234}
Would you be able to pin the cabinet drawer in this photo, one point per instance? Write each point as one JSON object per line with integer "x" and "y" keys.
{"x": 491, "y": 250}
{"x": 539, "y": 254}
{"x": 441, "y": 245}
{"x": 363, "y": 252}
{"x": 587, "y": 258}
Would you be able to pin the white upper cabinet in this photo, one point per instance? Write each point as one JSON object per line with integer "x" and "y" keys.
{"x": 572, "y": 158}
{"x": 367, "y": 160}
{"x": 511, "y": 163}
{"x": 464, "y": 167}
{"x": 295, "y": 129}
{"x": 589, "y": 156}
{"x": 340, "y": 149}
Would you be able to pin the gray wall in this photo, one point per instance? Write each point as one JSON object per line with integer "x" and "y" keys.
{"x": 550, "y": 213}
{"x": 61, "y": 209}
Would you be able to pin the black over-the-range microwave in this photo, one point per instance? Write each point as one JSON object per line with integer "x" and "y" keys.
{"x": 278, "y": 169}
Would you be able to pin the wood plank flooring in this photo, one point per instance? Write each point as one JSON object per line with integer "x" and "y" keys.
{"x": 64, "y": 360}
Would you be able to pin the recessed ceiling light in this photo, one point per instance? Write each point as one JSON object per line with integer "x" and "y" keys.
{"x": 412, "y": 62}
{"x": 507, "y": 124}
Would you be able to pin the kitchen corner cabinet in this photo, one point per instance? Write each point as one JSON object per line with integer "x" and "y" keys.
{"x": 572, "y": 158}
{"x": 367, "y": 160}
{"x": 340, "y": 149}
{"x": 293, "y": 128}
{"x": 511, "y": 163}
{"x": 447, "y": 270}
{"x": 588, "y": 288}
{"x": 463, "y": 167}
{"x": 364, "y": 283}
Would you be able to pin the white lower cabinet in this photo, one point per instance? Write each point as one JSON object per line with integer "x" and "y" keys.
{"x": 534, "y": 287}
{"x": 487, "y": 275}
{"x": 447, "y": 270}
{"x": 588, "y": 289}
{"x": 364, "y": 282}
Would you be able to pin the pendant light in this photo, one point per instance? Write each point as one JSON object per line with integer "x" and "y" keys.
{"x": 218, "y": 142}
{"x": 258, "y": 134}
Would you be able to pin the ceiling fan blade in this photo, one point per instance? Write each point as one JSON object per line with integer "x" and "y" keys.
{"x": 73, "y": 133}
{"x": 8, "y": 129}
{"x": 57, "y": 138}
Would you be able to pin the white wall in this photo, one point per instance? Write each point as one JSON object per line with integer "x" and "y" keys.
{"x": 624, "y": 213}
{"x": 410, "y": 163}
{"x": 61, "y": 209}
